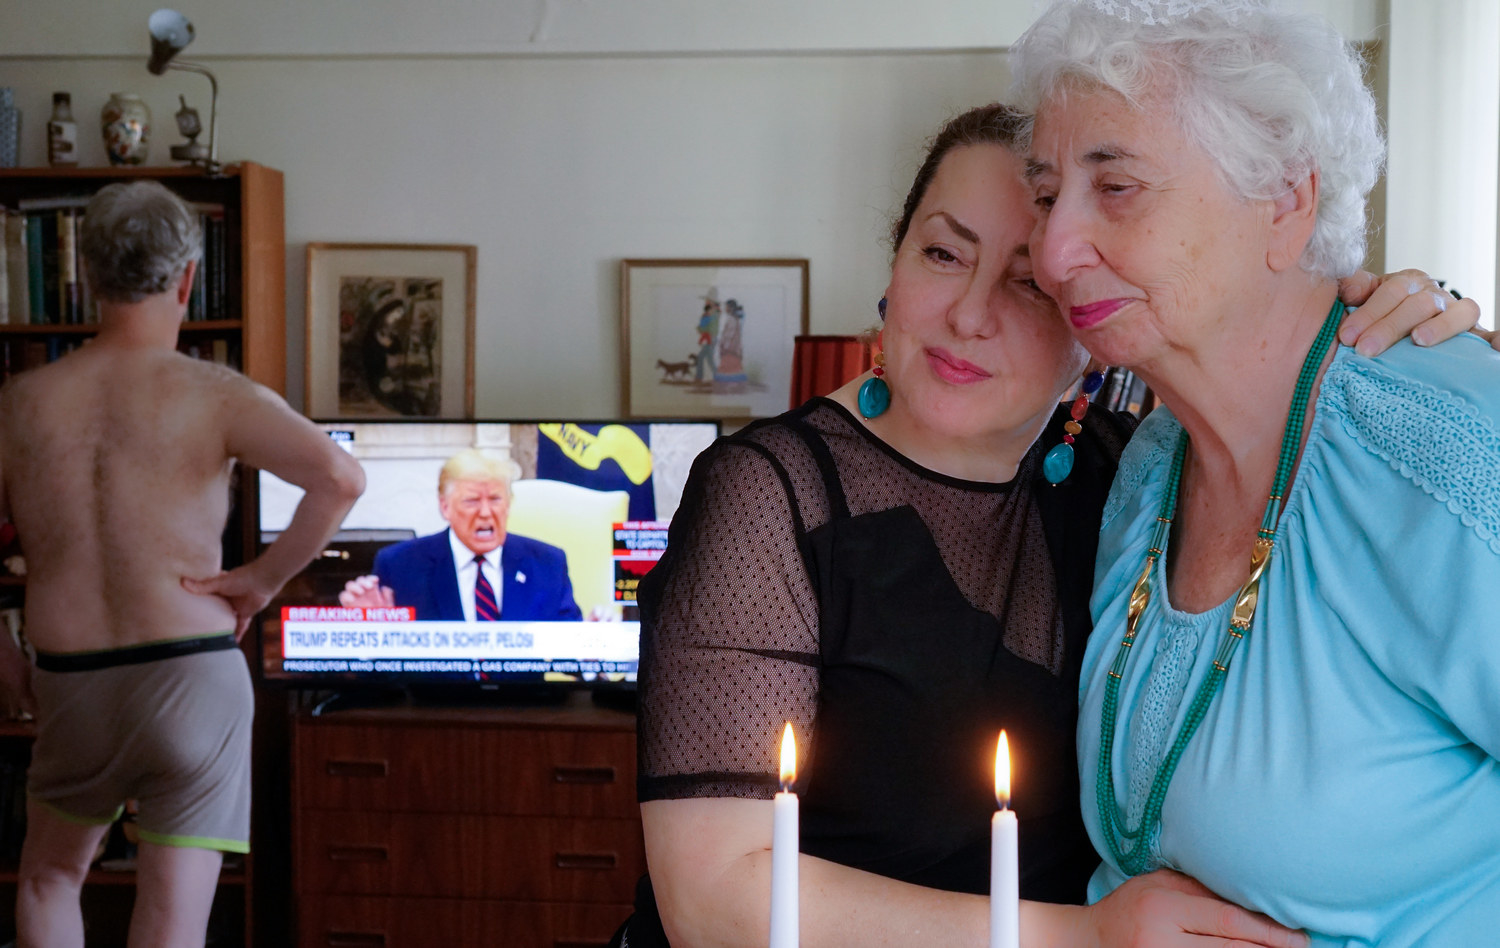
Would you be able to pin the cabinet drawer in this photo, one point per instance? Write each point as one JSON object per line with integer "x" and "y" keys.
{"x": 352, "y": 922}
{"x": 467, "y": 770}
{"x": 545, "y": 859}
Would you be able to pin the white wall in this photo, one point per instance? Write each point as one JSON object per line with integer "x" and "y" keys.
{"x": 559, "y": 136}
{"x": 1444, "y": 102}
{"x": 446, "y": 27}
{"x": 557, "y": 167}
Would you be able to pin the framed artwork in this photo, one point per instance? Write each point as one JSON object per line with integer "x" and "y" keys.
{"x": 390, "y": 330}
{"x": 710, "y": 338}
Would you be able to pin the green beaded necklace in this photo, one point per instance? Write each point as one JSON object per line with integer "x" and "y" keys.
{"x": 1136, "y": 860}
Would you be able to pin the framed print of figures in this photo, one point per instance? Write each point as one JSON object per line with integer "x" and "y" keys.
{"x": 390, "y": 330}
{"x": 710, "y": 338}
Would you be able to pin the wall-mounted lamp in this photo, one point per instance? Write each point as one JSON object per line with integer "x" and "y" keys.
{"x": 170, "y": 34}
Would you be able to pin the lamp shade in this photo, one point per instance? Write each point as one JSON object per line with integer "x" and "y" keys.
{"x": 170, "y": 34}
{"x": 821, "y": 364}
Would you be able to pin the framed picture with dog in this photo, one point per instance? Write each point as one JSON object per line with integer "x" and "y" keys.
{"x": 709, "y": 338}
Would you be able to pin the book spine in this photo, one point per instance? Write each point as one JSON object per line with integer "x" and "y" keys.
{"x": 33, "y": 353}
{"x": 67, "y": 265}
{"x": 4, "y": 268}
{"x": 51, "y": 271}
{"x": 86, "y": 304}
{"x": 197, "y": 301}
{"x": 34, "y": 269}
{"x": 216, "y": 261}
{"x": 16, "y": 262}
{"x": 29, "y": 205}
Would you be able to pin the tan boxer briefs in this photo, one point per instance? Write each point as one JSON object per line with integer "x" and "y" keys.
{"x": 166, "y": 724}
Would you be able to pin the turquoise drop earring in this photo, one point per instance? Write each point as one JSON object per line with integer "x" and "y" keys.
{"x": 875, "y": 394}
{"x": 1058, "y": 463}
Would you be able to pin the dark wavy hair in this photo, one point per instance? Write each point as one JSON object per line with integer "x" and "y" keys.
{"x": 993, "y": 124}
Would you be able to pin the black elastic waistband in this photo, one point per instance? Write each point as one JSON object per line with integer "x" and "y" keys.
{"x": 133, "y": 654}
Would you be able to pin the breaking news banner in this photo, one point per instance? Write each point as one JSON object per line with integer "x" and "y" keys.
{"x": 339, "y": 639}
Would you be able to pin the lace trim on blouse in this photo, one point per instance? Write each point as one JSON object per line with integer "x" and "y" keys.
{"x": 1435, "y": 439}
{"x": 1147, "y": 451}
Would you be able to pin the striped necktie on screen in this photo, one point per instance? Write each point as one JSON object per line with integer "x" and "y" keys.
{"x": 485, "y": 608}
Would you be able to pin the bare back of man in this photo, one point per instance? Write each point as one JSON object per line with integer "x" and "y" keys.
{"x": 118, "y": 475}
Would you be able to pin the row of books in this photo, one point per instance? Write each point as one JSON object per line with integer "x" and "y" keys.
{"x": 41, "y": 276}
{"x": 19, "y": 354}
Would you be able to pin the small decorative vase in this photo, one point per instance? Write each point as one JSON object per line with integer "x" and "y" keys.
{"x": 126, "y": 122}
{"x": 10, "y": 129}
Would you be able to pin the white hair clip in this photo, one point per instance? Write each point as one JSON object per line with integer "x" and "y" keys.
{"x": 1162, "y": 12}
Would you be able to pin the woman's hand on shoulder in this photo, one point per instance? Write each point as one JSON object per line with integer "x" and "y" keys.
{"x": 1407, "y": 302}
{"x": 1166, "y": 909}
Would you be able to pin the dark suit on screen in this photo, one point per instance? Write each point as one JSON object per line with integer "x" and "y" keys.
{"x": 420, "y": 572}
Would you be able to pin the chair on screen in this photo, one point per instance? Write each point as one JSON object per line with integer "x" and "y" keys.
{"x": 580, "y": 521}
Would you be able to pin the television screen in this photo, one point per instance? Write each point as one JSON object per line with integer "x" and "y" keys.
{"x": 469, "y": 585}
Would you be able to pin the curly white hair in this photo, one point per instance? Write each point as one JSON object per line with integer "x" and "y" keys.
{"x": 1270, "y": 95}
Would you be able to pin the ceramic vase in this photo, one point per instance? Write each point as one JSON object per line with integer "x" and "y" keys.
{"x": 10, "y": 129}
{"x": 126, "y": 123}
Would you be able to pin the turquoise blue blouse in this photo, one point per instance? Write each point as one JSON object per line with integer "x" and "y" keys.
{"x": 1345, "y": 780}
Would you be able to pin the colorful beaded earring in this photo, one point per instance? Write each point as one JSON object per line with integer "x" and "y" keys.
{"x": 875, "y": 394}
{"x": 1058, "y": 463}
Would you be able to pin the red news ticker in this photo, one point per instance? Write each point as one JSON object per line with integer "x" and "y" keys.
{"x": 348, "y": 614}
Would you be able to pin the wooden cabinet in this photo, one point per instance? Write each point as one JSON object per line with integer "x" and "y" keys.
{"x": 248, "y": 330}
{"x": 465, "y": 826}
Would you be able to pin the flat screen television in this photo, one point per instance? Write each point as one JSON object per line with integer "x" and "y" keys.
{"x": 596, "y": 496}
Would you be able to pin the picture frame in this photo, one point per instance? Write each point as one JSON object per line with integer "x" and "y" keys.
{"x": 710, "y": 338}
{"x": 390, "y": 330}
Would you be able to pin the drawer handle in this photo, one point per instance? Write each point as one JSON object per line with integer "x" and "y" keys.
{"x": 358, "y": 854}
{"x": 353, "y": 939}
{"x": 358, "y": 768}
{"x": 565, "y": 774}
{"x": 587, "y": 860}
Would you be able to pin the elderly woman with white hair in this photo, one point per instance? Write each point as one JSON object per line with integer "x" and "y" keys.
{"x": 1291, "y": 691}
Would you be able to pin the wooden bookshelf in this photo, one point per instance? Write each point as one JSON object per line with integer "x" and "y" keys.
{"x": 254, "y": 254}
{"x": 255, "y": 251}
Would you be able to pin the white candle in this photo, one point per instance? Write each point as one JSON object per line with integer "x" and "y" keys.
{"x": 1005, "y": 874}
{"x": 785, "y": 843}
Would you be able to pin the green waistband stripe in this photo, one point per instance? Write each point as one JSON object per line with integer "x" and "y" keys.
{"x": 194, "y": 842}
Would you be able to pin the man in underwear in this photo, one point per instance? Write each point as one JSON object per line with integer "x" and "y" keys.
{"x": 115, "y": 467}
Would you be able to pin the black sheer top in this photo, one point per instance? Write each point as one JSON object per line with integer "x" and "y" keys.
{"x": 898, "y": 618}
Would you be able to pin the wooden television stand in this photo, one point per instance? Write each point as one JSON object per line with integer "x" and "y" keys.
{"x": 459, "y": 826}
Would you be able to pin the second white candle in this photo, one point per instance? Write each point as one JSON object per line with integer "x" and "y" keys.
{"x": 785, "y": 844}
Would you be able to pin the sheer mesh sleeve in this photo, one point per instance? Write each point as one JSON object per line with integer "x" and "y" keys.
{"x": 729, "y": 643}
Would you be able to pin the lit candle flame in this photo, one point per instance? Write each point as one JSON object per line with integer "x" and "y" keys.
{"x": 788, "y": 759}
{"x": 1002, "y": 772}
